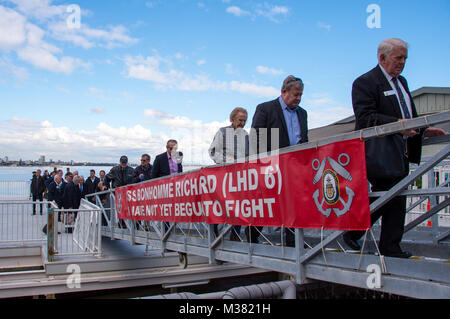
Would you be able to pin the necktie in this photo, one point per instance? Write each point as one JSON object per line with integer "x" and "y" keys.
{"x": 402, "y": 99}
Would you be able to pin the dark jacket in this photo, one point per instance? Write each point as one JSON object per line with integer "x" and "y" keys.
{"x": 91, "y": 186}
{"x": 270, "y": 115}
{"x": 161, "y": 166}
{"x": 56, "y": 193}
{"x": 372, "y": 107}
{"x": 143, "y": 170}
{"x": 119, "y": 176}
{"x": 37, "y": 186}
{"x": 73, "y": 195}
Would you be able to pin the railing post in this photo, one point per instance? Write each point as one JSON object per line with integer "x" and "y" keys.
{"x": 112, "y": 205}
{"x": 299, "y": 251}
{"x": 99, "y": 233}
{"x": 50, "y": 235}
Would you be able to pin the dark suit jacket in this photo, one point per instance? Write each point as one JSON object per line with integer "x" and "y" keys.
{"x": 142, "y": 170}
{"x": 72, "y": 196}
{"x": 37, "y": 186}
{"x": 270, "y": 115}
{"x": 91, "y": 187}
{"x": 373, "y": 108}
{"x": 55, "y": 193}
{"x": 161, "y": 166}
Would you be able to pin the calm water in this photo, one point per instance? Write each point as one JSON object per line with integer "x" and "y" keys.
{"x": 15, "y": 181}
{"x": 25, "y": 173}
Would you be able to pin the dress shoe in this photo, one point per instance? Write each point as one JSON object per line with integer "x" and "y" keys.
{"x": 400, "y": 254}
{"x": 352, "y": 243}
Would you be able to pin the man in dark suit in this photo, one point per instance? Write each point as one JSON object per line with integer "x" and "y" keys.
{"x": 382, "y": 96}
{"x": 169, "y": 162}
{"x": 56, "y": 193}
{"x": 282, "y": 116}
{"x": 37, "y": 189}
{"x": 56, "y": 190}
{"x": 91, "y": 185}
{"x": 74, "y": 192}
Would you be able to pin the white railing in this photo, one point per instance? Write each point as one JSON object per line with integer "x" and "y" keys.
{"x": 14, "y": 190}
{"x": 65, "y": 236}
{"x": 19, "y": 225}
{"x": 77, "y": 231}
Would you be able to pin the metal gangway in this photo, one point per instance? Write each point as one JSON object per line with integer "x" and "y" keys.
{"x": 320, "y": 255}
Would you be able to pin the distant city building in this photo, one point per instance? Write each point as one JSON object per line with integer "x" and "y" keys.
{"x": 6, "y": 160}
{"x": 41, "y": 159}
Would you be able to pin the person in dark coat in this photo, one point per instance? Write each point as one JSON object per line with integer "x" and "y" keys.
{"x": 56, "y": 190}
{"x": 382, "y": 96}
{"x": 169, "y": 162}
{"x": 284, "y": 114}
{"x": 144, "y": 171}
{"x": 91, "y": 184}
{"x": 37, "y": 189}
{"x": 73, "y": 193}
{"x": 120, "y": 175}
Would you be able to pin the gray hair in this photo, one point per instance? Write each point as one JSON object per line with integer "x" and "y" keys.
{"x": 291, "y": 81}
{"x": 236, "y": 111}
{"x": 386, "y": 46}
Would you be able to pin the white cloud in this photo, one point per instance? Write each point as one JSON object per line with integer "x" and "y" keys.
{"x": 322, "y": 25}
{"x": 194, "y": 136}
{"x": 23, "y": 136}
{"x": 26, "y": 39}
{"x": 238, "y": 12}
{"x": 161, "y": 72}
{"x": 266, "y": 70}
{"x": 87, "y": 37}
{"x": 323, "y": 110}
{"x": 264, "y": 10}
{"x": 229, "y": 69}
{"x": 30, "y": 40}
{"x": 201, "y": 62}
{"x": 272, "y": 12}
{"x": 156, "y": 114}
{"x": 12, "y": 26}
{"x": 253, "y": 89}
{"x": 7, "y": 68}
{"x": 98, "y": 110}
{"x": 39, "y": 9}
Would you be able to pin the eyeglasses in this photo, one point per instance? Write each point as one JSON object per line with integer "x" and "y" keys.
{"x": 144, "y": 160}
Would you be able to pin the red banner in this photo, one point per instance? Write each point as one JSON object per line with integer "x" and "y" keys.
{"x": 314, "y": 188}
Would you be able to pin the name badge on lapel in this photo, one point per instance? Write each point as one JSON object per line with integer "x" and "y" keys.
{"x": 389, "y": 93}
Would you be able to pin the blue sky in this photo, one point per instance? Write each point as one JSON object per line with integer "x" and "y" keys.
{"x": 136, "y": 73}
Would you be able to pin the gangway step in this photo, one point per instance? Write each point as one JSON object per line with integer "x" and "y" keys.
{"x": 15, "y": 259}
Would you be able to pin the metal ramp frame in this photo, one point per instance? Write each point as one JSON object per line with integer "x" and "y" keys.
{"x": 326, "y": 260}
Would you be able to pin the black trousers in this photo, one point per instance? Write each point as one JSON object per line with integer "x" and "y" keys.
{"x": 37, "y": 197}
{"x": 392, "y": 217}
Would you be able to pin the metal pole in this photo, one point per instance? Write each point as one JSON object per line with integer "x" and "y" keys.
{"x": 50, "y": 235}
{"x": 99, "y": 233}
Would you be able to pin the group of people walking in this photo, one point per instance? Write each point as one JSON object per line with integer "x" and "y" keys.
{"x": 379, "y": 96}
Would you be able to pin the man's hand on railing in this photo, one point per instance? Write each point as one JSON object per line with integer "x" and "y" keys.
{"x": 433, "y": 131}
{"x": 408, "y": 133}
